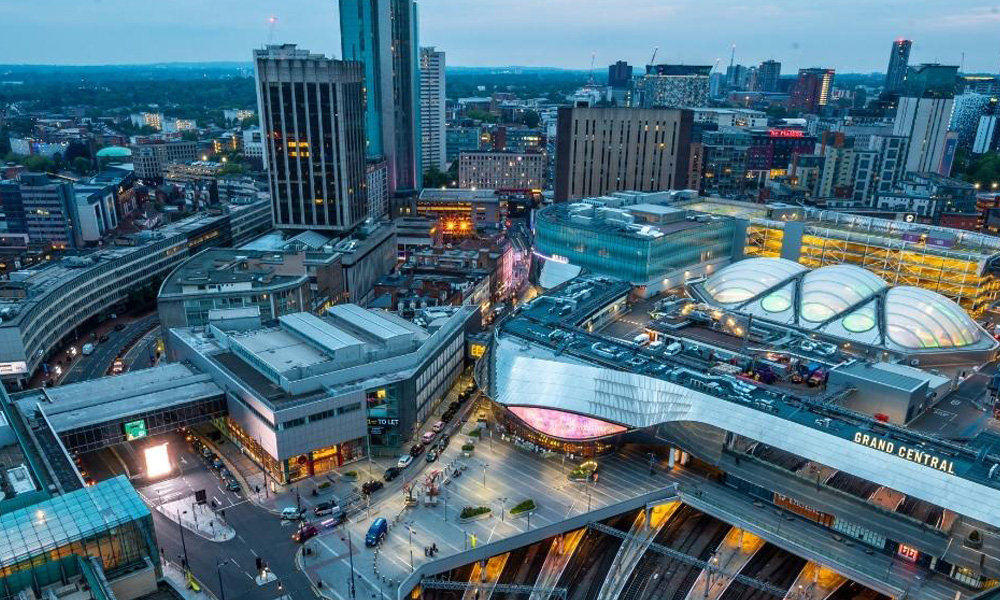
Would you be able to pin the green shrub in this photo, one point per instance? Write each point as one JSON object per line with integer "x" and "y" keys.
{"x": 473, "y": 511}
{"x": 324, "y": 485}
{"x": 521, "y": 507}
{"x": 468, "y": 447}
{"x": 474, "y": 433}
{"x": 351, "y": 474}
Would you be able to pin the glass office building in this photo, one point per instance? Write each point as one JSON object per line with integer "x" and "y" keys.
{"x": 652, "y": 246}
{"x": 43, "y": 544}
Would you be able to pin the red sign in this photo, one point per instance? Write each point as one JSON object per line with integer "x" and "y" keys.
{"x": 788, "y": 133}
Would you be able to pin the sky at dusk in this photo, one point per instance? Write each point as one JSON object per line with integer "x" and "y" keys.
{"x": 848, "y": 35}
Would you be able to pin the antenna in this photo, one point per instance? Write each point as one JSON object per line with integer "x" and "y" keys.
{"x": 271, "y": 22}
{"x": 961, "y": 65}
{"x": 593, "y": 57}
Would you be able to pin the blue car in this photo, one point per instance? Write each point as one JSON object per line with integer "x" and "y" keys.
{"x": 376, "y": 533}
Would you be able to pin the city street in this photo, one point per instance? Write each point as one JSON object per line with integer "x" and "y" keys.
{"x": 97, "y": 364}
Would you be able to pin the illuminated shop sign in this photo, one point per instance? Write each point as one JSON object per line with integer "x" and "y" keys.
{"x": 135, "y": 430}
{"x": 786, "y": 133}
{"x": 373, "y": 422}
{"x": 477, "y": 350}
{"x": 564, "y": 425}
{"x": 911, "y": 454}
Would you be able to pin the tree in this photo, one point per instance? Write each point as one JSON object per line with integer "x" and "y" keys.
{"x": 530, "y": 119}
{"x": 80, "y": 165}
{"x": 189, "y": 136}
{"x": 232, "y": 168}
{"x": 482, "y": 115}
{"x": 434, "y": 178}
{"x": 983, "y": 170}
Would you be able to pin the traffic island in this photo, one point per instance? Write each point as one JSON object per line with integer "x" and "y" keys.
{"x": 524, "y": 508}
{"x": 474, "y": 513}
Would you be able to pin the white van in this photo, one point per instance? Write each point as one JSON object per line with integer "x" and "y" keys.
{"x": 641, "y": 340}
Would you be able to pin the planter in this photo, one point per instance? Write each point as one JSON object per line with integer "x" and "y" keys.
{"x": 523, "y": 508}
{"x": 350, "y": 476}
{"x": 487, "y": 512}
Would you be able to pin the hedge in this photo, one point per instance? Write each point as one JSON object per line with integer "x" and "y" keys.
{"x": 474, "y": 511}
{"x": 521, "y": 507}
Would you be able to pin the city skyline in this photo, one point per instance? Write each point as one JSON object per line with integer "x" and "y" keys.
{"x": 693, "y": 33}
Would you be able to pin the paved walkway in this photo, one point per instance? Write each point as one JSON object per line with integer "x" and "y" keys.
{"x": 561, "y": 551}
{"x": 198, "y": 518}
{"x": 733, "y": 554}
{"x": 178, "y": 580}
{"x": 815, "y": 582}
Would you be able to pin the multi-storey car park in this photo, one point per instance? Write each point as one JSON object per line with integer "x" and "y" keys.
{"x": 921, "y": 486}
{"x": 959, "y": 264}
{"x": 43, "y": 307}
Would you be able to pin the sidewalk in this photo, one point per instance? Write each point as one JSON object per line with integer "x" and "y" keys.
{"x": 177, "y": 580}
{"x": 198, "y": 518}
{"x": 273, "y": 497}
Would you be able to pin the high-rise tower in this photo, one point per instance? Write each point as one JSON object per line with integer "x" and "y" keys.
{"x": 898, "y": 61}
{"x": 312, "y": 114}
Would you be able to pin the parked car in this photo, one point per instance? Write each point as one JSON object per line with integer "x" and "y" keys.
{"x": 206, "y": 453}
{"x": 324, "y": 508}
{"x": 443, "y": 442}
{"x": 232, "y": 485}
{"x": 290, "y": 513}
{"x": 376, "y": 532}
{"x": 225, "y": 474}
{"x": 304, "y": 533}
{"x": 102, "y": 339}
{"x": 454, "y": 406}
{"x": 432, "y": 456}
{"x": 427, "y": 437}
{"x": 391, "y": 473}
{"x": 448, "y": 414}
{"x": 372, "y": 486}
{"x": 217, "y": 463}
{"x": 404, "y": 461}
{"x": 416, "y": 449}
{"x": 119, "y": 327}
{"x": 437, "y": 427}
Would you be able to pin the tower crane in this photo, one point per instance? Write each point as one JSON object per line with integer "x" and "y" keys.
{"x": 652, "y": 59}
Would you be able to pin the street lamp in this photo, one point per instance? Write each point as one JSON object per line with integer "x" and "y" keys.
{"x": 409, "y": 531}
{"x": 503, "y": 508}
{"x": 484, "y": 473}
{"x": 218, "y": 569}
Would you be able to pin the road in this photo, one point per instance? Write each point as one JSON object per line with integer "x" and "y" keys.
{"x": 258, "y": 533}
{"x": 97, "y": 364}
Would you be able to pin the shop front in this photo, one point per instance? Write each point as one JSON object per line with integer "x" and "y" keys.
{"x": 557, "y": 431}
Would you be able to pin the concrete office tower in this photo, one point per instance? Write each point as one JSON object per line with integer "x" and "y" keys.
{"x": 382, "y": 34}
{"x": 899, "y": 58}
{"x": 601, "y": 150}
{"x": 312, "y": 114}
{"x": 619, "y": 75}
{"x": 923, "y": 114}
{"x": 432, "y": 100}
{"x": 812, "y": 89}
{"x": 768, "y": 75}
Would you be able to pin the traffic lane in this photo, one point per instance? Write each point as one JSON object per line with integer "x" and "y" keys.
{"x": 97, "y": 364}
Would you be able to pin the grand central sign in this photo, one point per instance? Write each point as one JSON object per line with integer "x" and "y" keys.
{"x": 916, "y": 455}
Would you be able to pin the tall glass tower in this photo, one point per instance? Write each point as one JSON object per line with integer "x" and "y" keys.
{"x": 899, "y": 58}
{"x": 382, "y": 34}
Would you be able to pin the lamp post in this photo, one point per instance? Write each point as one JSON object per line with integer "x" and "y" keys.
{"x": 218, "y": 569}
{"x": 180, "y": 524}
{"x": 503, "y": 508}
{"x": 484, "y": 473}
{"x": 350, "y": 553}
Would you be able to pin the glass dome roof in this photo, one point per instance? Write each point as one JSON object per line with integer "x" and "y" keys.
{"x": 921, "y": 319}
{"x": 829, "y": 291}
{"x": 749, "y": 278}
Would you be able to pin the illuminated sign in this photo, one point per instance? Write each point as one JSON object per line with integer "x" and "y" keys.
{"x": 564, "y": 425}
{"x": 13, "y": 368}
{"x": 786, "y": 133}
{"x": 135, "y": 430}
{"x": 911, "y": 454}
{"x": 380, "y": 421}
{"x": 477, "y": 350}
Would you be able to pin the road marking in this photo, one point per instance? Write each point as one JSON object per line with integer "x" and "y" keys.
{"x": 234, "y": 562}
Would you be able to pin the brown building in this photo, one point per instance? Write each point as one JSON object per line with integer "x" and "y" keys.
{"x": 812, "y": 90}
{"x": 602, "y": 150}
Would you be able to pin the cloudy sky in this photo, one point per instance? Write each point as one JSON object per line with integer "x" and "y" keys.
{"x": 849, "y": 35}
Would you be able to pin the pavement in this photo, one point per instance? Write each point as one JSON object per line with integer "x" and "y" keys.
{"x": 498, "y": 475}
{"x": 199, "y": 518}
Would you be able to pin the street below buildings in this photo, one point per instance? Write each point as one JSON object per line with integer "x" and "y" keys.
{"x": 84, "y": 368}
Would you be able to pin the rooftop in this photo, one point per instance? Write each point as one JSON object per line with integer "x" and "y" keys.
{"x": 221, "y": 268}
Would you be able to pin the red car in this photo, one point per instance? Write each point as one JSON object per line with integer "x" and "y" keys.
{"x": 303, "y": 534}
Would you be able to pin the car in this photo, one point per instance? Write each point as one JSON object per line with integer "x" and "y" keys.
{"x": 437, "y": 427}
{"x": 391, "y": 473}
{"x": 232, "y": 485}
{"x": 290, "y": 513}
{"x": 305, "y": 533}
{"x": 119, "y": 327}
{"x": 448, "y": 414}
{"x": 102, "y": 339}
{"x": 431, "y": 456}
{"x": 404, "y": 461}
{"x": 454, "y": 406}
{"x": 217, "y": 463}
{"x": 416, "y": 449}
{"x": 443, "y": 442}
{"x": 427, "y": 437}
{"x": 324, "y": 508}
{"x": 206, "y": 453}
{"x": 376, "y": 532}
{"x": 371, "y": 486}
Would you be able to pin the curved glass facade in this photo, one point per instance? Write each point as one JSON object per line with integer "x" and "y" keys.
{"x": 749, "y": 278}
{"x": 622, "y": 253}
{"x": 918, "y": 318}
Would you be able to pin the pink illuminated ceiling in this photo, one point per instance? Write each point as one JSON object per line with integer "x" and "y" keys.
{"x": 564, "y": 425}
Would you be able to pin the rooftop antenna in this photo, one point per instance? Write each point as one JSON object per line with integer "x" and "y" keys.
{"x": 961, "y": 65}
{"x": 271, "y": 22}
{"x": 593, "y": 57}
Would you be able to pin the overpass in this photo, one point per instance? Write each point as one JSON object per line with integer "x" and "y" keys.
{"x": 104, "y": 412}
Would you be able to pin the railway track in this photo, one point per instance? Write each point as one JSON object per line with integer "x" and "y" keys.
{"x": 770, "y": 564}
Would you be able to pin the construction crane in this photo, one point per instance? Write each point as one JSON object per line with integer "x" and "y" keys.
{"x": 652, "y": 59}
{"x": 715, "y": 67}
{"x": 593, "y": 57}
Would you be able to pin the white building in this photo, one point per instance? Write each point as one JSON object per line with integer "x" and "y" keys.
{"x": 432, "y": 114}
{"x": 925, "y": 122}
